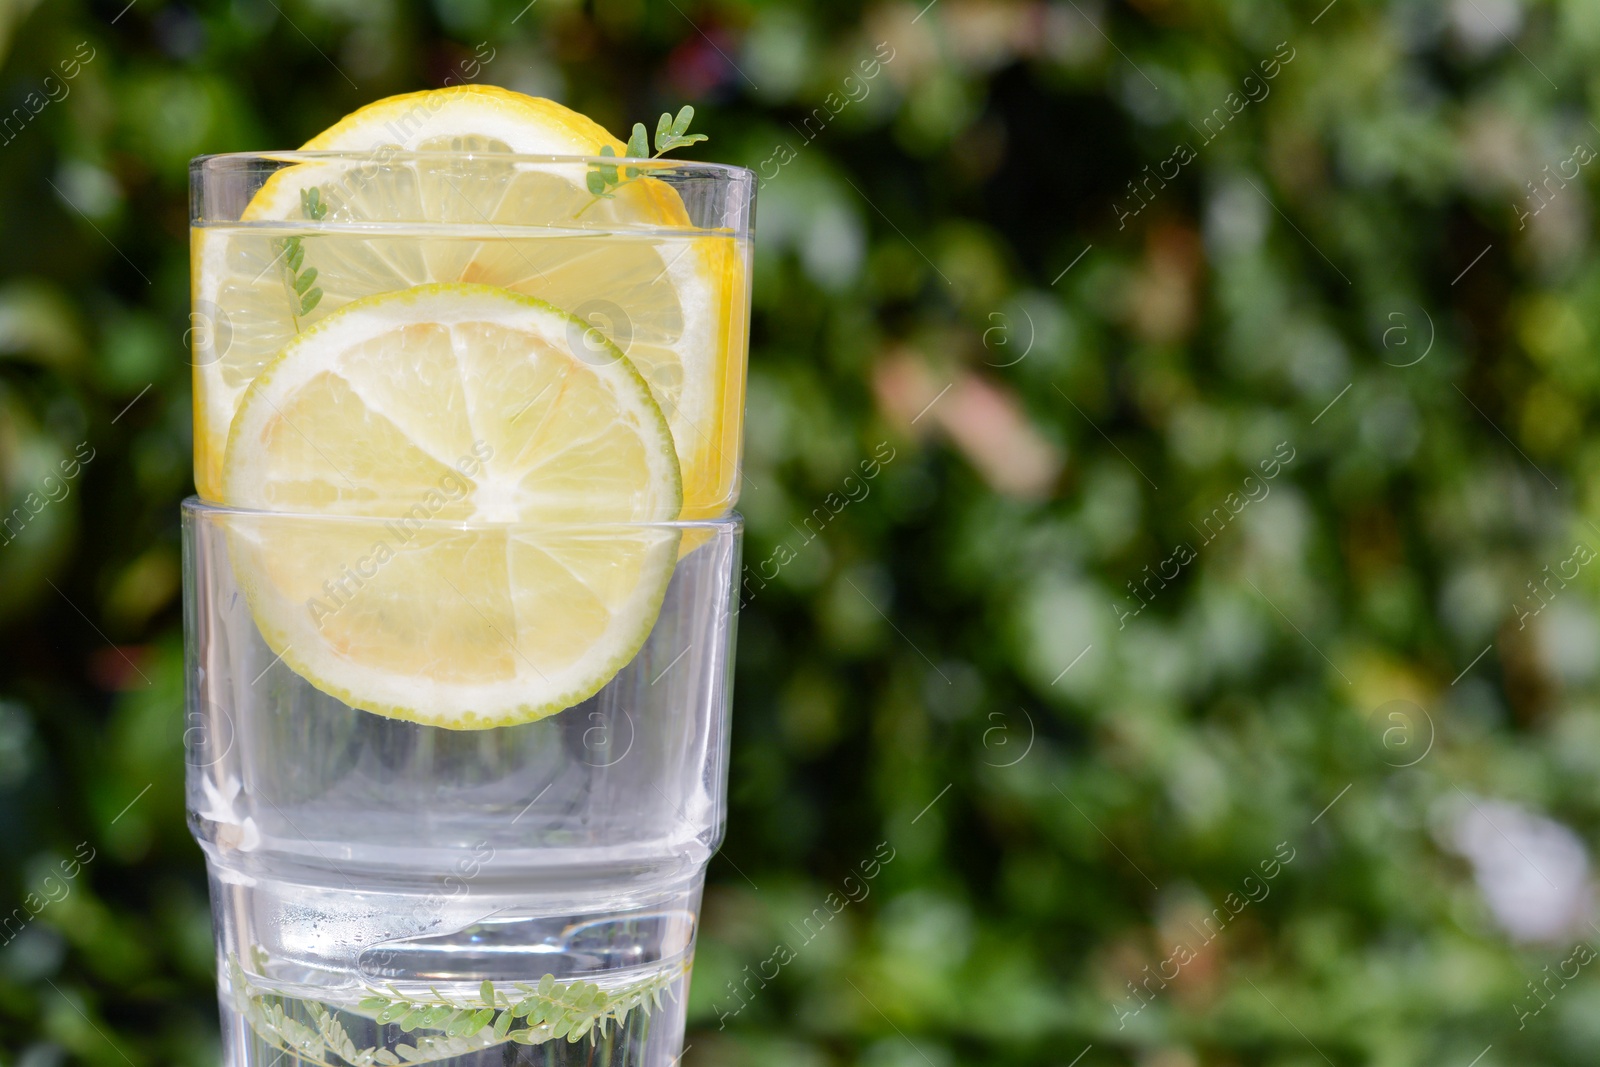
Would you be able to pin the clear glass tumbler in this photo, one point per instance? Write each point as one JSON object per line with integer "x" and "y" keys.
{"x": 387, "y": 891}
{"x": 459, "y": 595}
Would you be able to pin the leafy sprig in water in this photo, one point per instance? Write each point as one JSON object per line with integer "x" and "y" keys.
{"x": 303, "y": 293}
{"x": 529, "y": 1015}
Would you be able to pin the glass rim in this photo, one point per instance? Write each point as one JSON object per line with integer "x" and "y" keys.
{"x": 212, "y": 162}
{"x": 732, "y": 522}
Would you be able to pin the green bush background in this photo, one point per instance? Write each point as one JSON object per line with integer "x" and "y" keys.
{"x": 1355, "y": 237}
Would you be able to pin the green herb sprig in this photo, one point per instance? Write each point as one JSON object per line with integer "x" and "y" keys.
{"x": 303, "y": 293}
{"x": 604, "y": 179}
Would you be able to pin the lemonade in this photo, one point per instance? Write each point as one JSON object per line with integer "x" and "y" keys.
{"x": 469, "y": 382}
{"x": 684, "y": 334}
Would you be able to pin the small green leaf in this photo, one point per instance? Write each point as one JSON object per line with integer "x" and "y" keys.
{"x": 303, "y": 282}
{"x": 597, "y": 184}
{"x": 522, "y": 1037}
{"x": 294, "y": 254}
{"x": 486, "y": 992}
{"x": 502, "y": 1024}
{"x": 607, "y": 150}
{"x": 373, "y": 1003}
{"x": 638, "y": 141}
{"x": 310, "y": 300}
{"x": 393, "y": 1011}
{"x": 409, "y": 1021}
{"x": 673, "y": 133}
{"x": 546, "y": 984}
{"x": 609, "y": 173}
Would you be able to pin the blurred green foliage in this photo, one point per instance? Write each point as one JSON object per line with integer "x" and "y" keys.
{"x": 1077, "y": 269}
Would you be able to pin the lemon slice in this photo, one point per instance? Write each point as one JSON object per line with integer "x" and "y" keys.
{"x": 475, "y": 581}
{"x": 671, "y": 295}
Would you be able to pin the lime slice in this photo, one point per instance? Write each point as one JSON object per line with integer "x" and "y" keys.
{"x": 670, "y": 295}
{"x": 480, "y": 461}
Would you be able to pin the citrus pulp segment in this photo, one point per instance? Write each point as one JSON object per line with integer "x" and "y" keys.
{"x": 492, "y": 569}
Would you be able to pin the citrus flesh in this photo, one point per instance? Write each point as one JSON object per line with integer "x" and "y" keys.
{"x": 491, "y": 568}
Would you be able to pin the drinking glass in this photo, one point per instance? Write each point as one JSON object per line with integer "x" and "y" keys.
{"x": 396, "y": 880}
